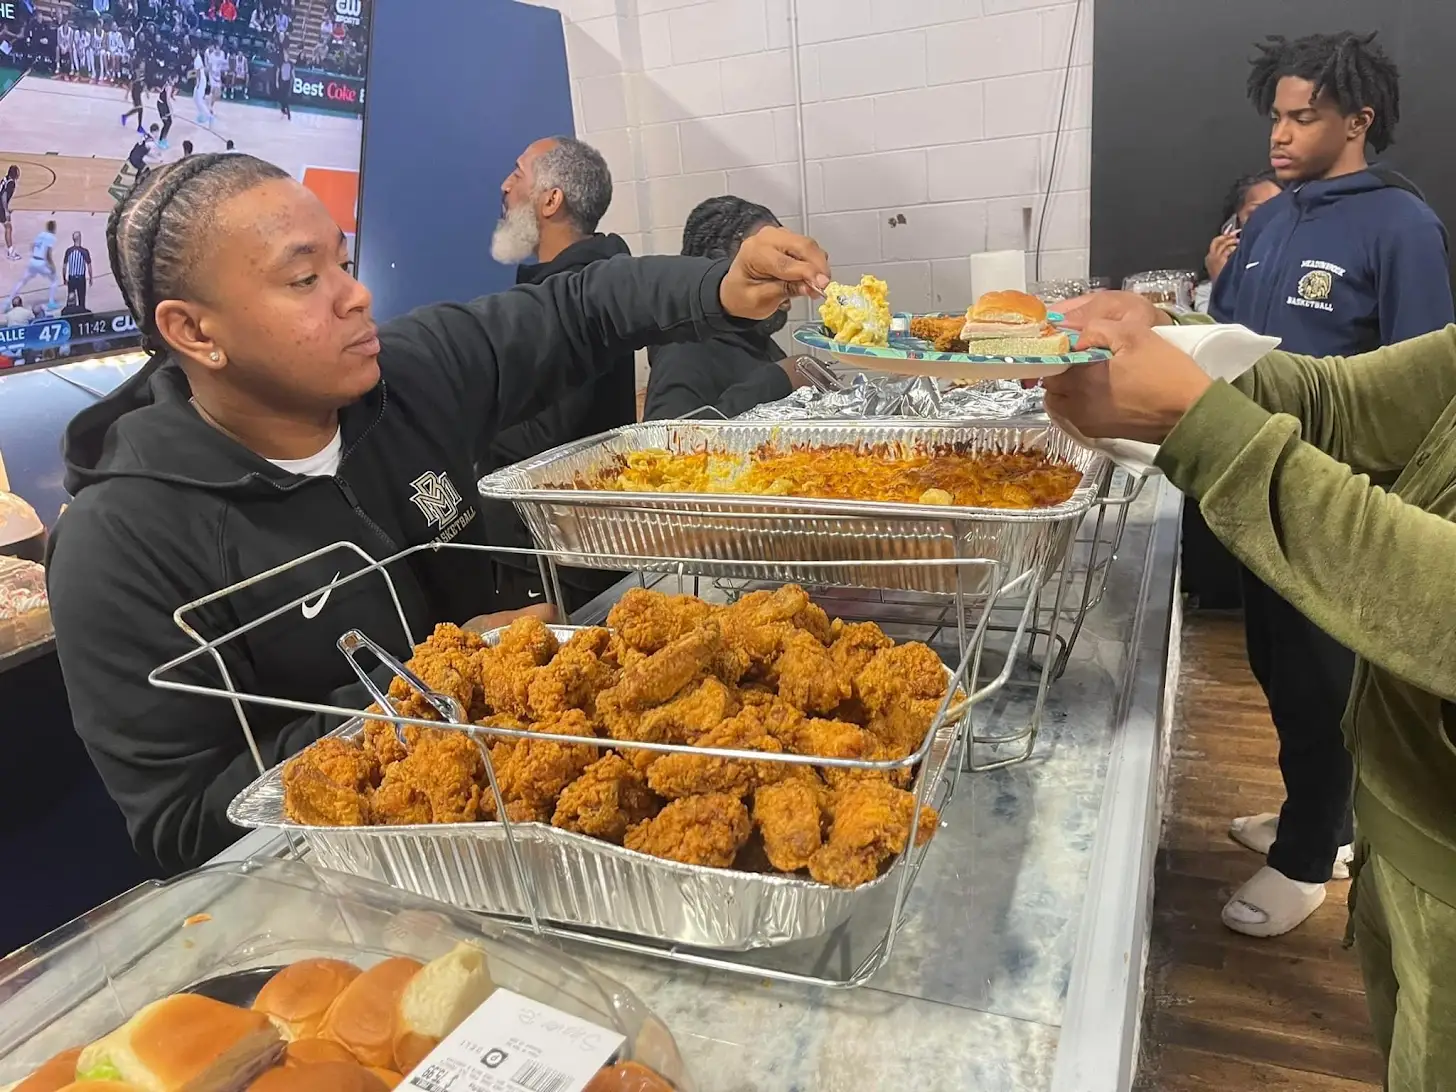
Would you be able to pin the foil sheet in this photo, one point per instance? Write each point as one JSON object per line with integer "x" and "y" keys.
{"x": 785, "y": 539}
{"x": 869, "y": 396}
{"x": 576, "y": 880}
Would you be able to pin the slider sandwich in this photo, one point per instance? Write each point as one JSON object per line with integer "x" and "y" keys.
{"x": 1011, "y": 324}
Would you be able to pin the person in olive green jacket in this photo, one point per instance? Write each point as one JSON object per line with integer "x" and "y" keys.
{"x": 1335, "y": 482}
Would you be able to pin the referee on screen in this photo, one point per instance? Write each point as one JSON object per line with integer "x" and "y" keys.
{"x": 79, "y": 273}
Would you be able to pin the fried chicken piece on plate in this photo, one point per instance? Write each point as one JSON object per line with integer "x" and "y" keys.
{"x": 649, "y": 621}
{"x": 678, "y": 775}
{"x": 808, "y": 678}
{"x": 908, "y": 671}
{"x": 854, "y": 644}
{"x": 448, "y": 637}
{"x": 445, "y": 766}
{"x": 658, "y": 678}
{"x": 605, "y": 800}
{"x": 697, "y": 830}
{"x": 840, "y": 739}
{"x": 789, "y": 604}
{"x": 535, "y": 771}
{"x": 529, "y": 637}
{"x": 788, "y": 816}
{"x": 870, "y": 822}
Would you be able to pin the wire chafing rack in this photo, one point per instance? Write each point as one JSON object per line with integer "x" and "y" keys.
{"x": 858, "y": 931}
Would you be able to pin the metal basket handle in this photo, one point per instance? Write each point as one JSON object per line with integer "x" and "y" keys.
{"x": 352, "y": 642}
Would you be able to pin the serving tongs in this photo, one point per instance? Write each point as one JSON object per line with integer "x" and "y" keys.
{"x": 453, "y": 716}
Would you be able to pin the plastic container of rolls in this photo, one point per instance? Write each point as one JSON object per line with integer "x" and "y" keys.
{"x": 276, "y": 976}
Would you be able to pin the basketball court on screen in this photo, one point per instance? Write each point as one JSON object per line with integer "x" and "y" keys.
{"x": 70, "y": 145}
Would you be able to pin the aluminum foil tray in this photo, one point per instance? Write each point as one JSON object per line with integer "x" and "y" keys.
{"x": 581, "y": 881}
{"x": 760, "y": 538}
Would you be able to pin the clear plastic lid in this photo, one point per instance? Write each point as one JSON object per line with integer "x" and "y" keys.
{"x": 88, "y": 977}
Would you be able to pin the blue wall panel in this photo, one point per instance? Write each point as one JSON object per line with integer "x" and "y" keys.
{"x": 457, "y": 89}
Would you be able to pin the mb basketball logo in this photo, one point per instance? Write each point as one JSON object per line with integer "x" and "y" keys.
{"x": 1315, "y": 286}
{"x": 439, "y": 503}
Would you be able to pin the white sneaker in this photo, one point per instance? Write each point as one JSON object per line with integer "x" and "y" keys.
{"x": 1271, "y": 904}
{"x": 1257, "y": 832}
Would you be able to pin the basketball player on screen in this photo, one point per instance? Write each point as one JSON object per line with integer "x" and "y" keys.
{"x": 42, "y": 263}
{"x": 138, "y": 85}
{"x": 216, "y": 66}
{"x": 7, "y": 194}
{"x": 199, "y": 89}
{"x": 65, "y": 46}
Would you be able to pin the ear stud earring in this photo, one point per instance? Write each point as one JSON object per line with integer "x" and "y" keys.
{"x": 215, "y": 355}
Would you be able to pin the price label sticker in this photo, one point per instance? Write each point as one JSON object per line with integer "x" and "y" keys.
{"x": 513, "y": 1044}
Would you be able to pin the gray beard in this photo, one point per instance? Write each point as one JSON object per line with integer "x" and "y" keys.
{"x": 516, "y": 236}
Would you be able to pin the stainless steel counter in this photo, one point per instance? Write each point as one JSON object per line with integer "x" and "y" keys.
{"x": 1020, "y": 963}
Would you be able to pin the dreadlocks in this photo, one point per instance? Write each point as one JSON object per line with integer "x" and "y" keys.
{"x": 152, "y": 234}
{"x": 718, "y": 226}
{"x": 1349, "y": 67}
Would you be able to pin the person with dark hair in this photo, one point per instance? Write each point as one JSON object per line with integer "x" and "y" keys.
{"x": 551, "y": 204}
{"x": 275, "y": 419}
{"x": 1242, "y": 201}
{"x": 285, "y": 86}
{"x": 186, "y": 148}
{"x": 1347, "y": 259}
{"x": 79, "y": 271}
{"x": 734, "y": 370}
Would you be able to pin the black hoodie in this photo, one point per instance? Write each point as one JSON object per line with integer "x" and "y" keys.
{"x": 168, "y": 509}
{"x": 732, "y": 373}
{"x": 605, "y": 400}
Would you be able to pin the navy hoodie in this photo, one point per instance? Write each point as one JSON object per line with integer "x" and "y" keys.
{"x": 1340, "y": 267}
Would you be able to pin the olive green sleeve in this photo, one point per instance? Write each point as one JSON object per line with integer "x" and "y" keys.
{"x": 1375, "y": 573}
{"x": 1369, "y": 411}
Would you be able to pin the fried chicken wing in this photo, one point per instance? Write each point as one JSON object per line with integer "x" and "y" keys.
{"x": 656, "y": 679}
{"x": 605, "y": 800}
{"x": 808, "y": 677}
{"x": 535, "y": 771}
{"x": 907, "y": 671}
{"x": 697, "y": 830}
{"x": 787, "y": 815}
{"x": 528, "y": 636}
{"x": 695, "y": 711}
{"x": 902, "y": 727}
{"x": 443, "y": 766}
{"x": 401, "y": 802}
{"x": 313, "y": 799}
{"x": 450, "y": 672}
{"x": 678, "y": 775}
{"x": 871, "y": 822}
{"x": 649, "y": 620}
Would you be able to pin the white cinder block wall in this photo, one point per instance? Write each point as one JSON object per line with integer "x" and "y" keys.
{"x": 927, "y": 126}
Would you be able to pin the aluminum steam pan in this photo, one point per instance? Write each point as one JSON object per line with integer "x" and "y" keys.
{"x": 772, "y": 538}
{"x": 582, "y": 881}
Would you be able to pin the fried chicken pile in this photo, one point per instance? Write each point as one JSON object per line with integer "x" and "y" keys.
{"x": 770, "y": 674}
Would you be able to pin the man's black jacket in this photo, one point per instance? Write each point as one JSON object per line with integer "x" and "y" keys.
{"x": 168, "y": 509}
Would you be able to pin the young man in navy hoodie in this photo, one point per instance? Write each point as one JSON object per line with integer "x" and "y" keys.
{"x": 1347, "y": 259}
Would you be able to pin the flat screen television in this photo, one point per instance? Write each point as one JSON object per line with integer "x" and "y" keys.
{"x": 85, "y": 86}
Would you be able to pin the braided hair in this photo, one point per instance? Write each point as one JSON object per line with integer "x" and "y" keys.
{"x": 1351, "y": 68}
{"x": 152, "y": 235}
{"x": 718, "y": 226}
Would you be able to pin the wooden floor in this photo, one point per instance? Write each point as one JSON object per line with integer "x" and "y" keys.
{"x": 1225, "y": 1011}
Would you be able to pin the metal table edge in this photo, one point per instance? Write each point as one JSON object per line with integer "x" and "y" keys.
{"x": 1100, "y": 1034}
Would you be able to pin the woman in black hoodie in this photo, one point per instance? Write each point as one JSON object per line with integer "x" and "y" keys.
{"x": 276, "y": 420}
{"x": 732, "y": 371}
